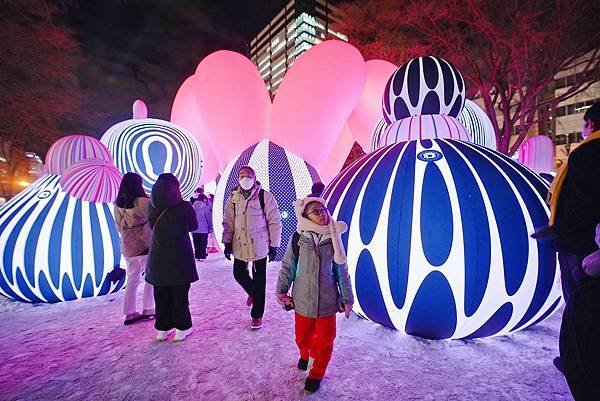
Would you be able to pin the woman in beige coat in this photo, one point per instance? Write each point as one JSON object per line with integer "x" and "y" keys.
{"x": 251, "y": 232}
{"x": 131, "y": 217}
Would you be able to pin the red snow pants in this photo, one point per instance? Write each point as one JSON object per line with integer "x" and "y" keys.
{"x": 314, "y": 338}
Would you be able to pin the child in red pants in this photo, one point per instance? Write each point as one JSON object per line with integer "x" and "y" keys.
{"x": 315, "y": 263}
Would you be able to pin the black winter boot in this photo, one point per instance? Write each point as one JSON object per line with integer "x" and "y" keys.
{"x": 302, "y": 364}
{"x": 312, "y": 385}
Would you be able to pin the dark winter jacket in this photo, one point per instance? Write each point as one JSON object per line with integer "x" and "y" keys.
{"x": 578, "y": 208}
{"x": 171, "y": 259}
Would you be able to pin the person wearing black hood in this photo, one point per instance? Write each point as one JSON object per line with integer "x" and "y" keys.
{"x": 171, "y": 265}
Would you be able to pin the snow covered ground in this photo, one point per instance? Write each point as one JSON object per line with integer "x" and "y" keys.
{"x": 80, "y": 350}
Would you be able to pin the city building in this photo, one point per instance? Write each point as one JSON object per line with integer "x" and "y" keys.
{"x": 299, "y": 26}
{"x": 566, "y": 120}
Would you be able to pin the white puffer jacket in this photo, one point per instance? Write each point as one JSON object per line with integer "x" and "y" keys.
{"x": 247, "y": 228}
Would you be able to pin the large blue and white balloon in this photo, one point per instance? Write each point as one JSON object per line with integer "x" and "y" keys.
{"x": 55, "y": 247}
{"x": 150, "y": 147}
{"x": 438, "y": 241}
{"x": 280, "y": 172}
{"x": 424, "y": 85}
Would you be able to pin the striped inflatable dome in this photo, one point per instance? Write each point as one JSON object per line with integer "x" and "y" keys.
{"x": 377, "y": 133}
{"x": 537, "y": 153}
{"x": 478, "y": 124}
{"x": 432, "y": 126}
{"x": 438, "y": 241}
{"x": 424, "y": 85}
{"x": 54, "y": 247}
{"x": 92, "y": 181}
{"x": 280, "y": 172}
{"x": 150, "y": 147}
{"x": 73, "y": 148}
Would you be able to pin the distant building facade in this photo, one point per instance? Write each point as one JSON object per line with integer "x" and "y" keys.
{"x": 295, "y": 29}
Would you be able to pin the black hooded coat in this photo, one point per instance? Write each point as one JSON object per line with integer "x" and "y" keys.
{"x": 171, "y": 258}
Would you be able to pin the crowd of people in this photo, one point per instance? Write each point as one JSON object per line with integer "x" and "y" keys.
{"x": 155, "y": 239}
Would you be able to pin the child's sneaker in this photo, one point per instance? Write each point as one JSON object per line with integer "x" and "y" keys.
{"x": 180, "y": 335}
{"x": 256, "y": 324}
{"x": 162, "y": 335}
{"x": 312, "y": 385}
{"x": 302, "y": 364}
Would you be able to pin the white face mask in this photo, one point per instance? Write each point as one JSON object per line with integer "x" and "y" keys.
{"x": 246, "y": 183}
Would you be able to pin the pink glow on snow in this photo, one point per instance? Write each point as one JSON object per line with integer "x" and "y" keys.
{"x": 537, "y": 153}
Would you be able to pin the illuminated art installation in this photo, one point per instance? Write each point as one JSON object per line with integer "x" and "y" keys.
{"x": 59, "y": 243}
{"x": 377, "y": 134}
{"x": 150, "y": 147}
{"x": 438, "y": 241}
{"x": 478, "y": 125}
{"x": 226, "y": 105}
{"x": 280, "y": 172}
{"x": 424, "y": 85}
{"x": 421, "y": 100}
{"x": 537, "y": 153}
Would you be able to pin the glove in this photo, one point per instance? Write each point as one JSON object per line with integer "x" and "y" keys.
{"x": 272, "y": 253}
{"x": 228, "y": 250}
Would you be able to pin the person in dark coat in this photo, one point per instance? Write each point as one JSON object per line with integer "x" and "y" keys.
{"x": 171, "y": 265}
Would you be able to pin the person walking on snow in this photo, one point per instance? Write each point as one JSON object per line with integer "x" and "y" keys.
{"x": 315, "y": 264}
{"x": 131, "y": 218}
{"x": 171, "y": 266}
{"x": 204, "y": 218}
{"x": 251, "y": 232}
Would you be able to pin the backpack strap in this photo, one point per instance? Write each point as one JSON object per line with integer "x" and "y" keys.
{"x": 261, "y": 199}
{"x": 295, "y": 246}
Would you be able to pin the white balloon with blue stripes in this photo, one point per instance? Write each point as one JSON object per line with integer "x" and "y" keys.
{"x": 150, "y": 147}
{"x": 478, "y": 124}
{"x": 280, "y": 172}
{"x": 54, "y": 247}
{"x": 439, "y": 240}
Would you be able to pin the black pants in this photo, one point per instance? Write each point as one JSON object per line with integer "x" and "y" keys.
{"x": 172, "y": 307}
{"x": 200, "y": 241}
{"x": 254, "y": 287}
{"x": 568, "y": 262}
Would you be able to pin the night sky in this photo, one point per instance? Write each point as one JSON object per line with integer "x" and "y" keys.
{"x": 147, "y": 48}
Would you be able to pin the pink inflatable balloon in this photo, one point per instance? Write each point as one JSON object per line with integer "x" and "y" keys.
{"x": 332, "y": 166}
{"x": 367, "y": 112}
{"x": 92, "y": 181}
{"x": 537, "y": 153}
{"x": 233, "y": 102}
{"x": 73, "y": 148}
{"x": 316, "y": 98}
{"x": 185, "y": 113}
{"x": 139, "y": 109}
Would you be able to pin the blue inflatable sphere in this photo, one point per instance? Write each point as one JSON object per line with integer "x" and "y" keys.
{"x": 439, "y": 240}
{"x": 280, "y": 172}
{"x": 54, "y": 247}
{"x": 422, "y": 86}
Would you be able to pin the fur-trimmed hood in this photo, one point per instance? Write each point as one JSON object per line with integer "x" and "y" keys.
{"x": 334, "y": 228}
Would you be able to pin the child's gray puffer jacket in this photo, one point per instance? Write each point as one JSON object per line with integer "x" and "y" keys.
{"x": 319, "y": 284}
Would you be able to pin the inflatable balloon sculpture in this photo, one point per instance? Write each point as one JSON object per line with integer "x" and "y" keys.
{"x": 58, "y": 239}
{"x": 438, "y": 241}
{"x": 150, "y": 147}
{"x": 286, "y": 141}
